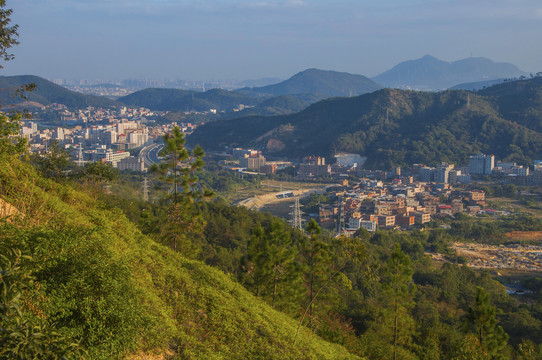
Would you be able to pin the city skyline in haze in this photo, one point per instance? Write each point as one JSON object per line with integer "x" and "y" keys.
{"x": 241, "y": 39}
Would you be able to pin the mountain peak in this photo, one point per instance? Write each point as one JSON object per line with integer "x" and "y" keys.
{"x": 430, "y": 73}
{"x": 325, "y": 83}
{"x": 429, "y": 57}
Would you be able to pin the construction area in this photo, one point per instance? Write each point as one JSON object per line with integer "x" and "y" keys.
{"x": 512, "y": 257}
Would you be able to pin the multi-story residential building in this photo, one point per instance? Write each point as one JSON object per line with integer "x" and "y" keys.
{"x": 427, "y": 174}
{"x": 476, "y": 195}
{"x": 308, "y": 170}
{"x": 369, "y": 225}
{"x": 481, "y": 164}
{"x": 138, "y": 137}
{"x": 252, "y": 162}
{"x": 445, "y": 209}
{"x": 512, "y": 169}
{"x": 133, "y": 163}
{"x": 386, "y": 220}
{"x": 442, "y": 173}
{"x": 422, "y": 217}
{"x": 241, "y": 153}
{"x": 405, "y": 220}
{"x": 457, "y": 205}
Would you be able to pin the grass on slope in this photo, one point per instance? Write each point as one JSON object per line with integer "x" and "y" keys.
{"x": 100, "y": 280}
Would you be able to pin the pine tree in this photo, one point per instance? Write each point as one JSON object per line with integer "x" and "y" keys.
{"x": 183, "y": 218}
{"x": 181, "y": 167}
{"x": 270, "y": 268}
{"x": 398, "y": 281}
{"x": 481, "y": 320}
{"x": 318, "y": 263}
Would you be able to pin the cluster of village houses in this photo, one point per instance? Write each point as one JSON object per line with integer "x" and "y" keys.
{"x": 372, "y": 204}
{"x": 388, "y": 199}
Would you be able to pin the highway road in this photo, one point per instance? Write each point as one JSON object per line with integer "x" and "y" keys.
{"x": 150, "y": 154}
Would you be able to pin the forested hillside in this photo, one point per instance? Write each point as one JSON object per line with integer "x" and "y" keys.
{"x": 398, "y": 127}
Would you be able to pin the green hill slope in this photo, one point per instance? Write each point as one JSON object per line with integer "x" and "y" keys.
{"x": 46, "y": 93}
{"x": 519, "y": 101}
{"x": 398, "y": 127}
{"x": 98, "y": 279}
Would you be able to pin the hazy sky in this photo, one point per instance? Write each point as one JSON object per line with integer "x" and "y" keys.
{"x": 243, "y": 39}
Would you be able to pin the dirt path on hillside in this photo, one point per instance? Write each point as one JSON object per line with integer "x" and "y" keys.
{"x": 257, "y": 202}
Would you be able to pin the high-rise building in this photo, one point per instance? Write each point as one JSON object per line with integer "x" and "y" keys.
{"x": 252, "y": 162}
{"x": 442, "y": 173}
{"x": 427, "y": 174}
{"x": 481, "y": 164}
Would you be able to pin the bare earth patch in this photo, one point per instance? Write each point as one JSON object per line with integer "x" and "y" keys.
{"x": 525, "y": 235}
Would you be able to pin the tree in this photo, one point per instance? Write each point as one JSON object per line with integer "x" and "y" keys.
{"x": 54, "y": 163}
{"x": 10, "y": 142}
{"x": 398, "y": 281}
{"x": 270, "y": 266}
{"x": 183, "y": 217}
{"x": 318, "y": 262}
{"x": 97, "y": 173}
{"x": 181, "y": 167}
{"x": 8, "y": 34}
{"x": 481, "y": 320}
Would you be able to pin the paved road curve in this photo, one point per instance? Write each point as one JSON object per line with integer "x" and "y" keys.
{"x": 150, "y": 154}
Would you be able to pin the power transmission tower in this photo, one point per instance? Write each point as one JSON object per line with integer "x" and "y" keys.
{"x": 80, "y": 161}
{"x": 296, "y": 221}
{"x": 145, "y": 189}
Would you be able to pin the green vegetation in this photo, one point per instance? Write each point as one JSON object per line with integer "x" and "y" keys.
{"x": 394, "y": 127}
{"x": 96, "y": 267}
{"x": 100, "y": 281}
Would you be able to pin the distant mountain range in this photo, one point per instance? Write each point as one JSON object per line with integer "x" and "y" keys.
{"x": 399, "y": 127}
{"x": 292, "y": 95}
{"x": 187, "y": 100}
{"x": 46, "y": 93}
{"x": 300, "y": 90}
{"x": 322, "y": 83}
{"x": 430, "y": 73}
